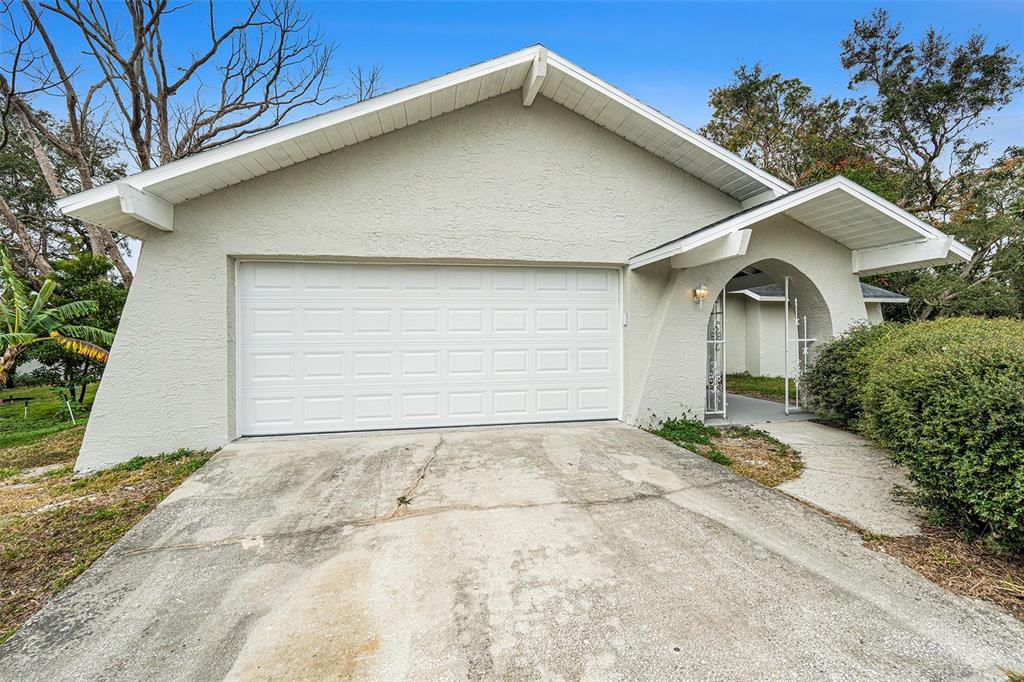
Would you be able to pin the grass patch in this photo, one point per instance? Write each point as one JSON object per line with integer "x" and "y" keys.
{"x": 766, "y": 388}
{"x": 47, "y": 414}
{"x": 53, "y": 526}
{"x": 964, "y": 566}
{"x": 757, "y": 455}
{"x": 746, "y": 451}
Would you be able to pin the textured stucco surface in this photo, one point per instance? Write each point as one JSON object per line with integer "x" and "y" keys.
{"x": 668, "y": 376}
{"x": 874, "y": 311}
{"x": 755, "y": 337}
{"x": 493, "y": 182}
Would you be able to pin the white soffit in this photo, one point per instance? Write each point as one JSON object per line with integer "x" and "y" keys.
{"x": 882, "y": 236}
{"x": 535, "y": 70}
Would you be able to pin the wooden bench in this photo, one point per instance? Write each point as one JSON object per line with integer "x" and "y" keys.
{"x": 11, "y": 399}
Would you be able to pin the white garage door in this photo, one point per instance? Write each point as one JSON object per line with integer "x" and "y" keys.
{"x": 340, "y": 347}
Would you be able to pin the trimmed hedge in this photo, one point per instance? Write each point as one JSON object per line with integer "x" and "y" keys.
{"x": 946, "y": 397}
{"x": 834, "y": 379}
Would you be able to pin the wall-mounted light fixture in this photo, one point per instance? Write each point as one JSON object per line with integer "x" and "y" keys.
{"x": 700, "y": 294}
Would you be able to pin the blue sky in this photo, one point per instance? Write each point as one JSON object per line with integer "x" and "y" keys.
{"x": 666, "y": 54}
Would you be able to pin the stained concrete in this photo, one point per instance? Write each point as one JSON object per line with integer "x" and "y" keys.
{"x": 590, "y": 551}
{"x": 846, "y": 475}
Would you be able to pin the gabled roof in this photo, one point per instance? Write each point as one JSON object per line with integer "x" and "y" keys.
{"x": 882, "y": 236}
{"x": 149, "y": 196}
{"x": 871, "y": 294}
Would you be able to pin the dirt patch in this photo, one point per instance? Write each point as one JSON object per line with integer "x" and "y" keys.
{"x": 966, "y": 567}
{"x": 52, "y": 526}
{"x": 755, "y": 454}
{"x": 746, "y": 451}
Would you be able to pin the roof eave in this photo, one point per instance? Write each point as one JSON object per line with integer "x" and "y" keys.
{"x": 80, "y": 205}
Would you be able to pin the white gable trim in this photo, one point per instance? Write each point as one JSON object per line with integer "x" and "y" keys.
{"x": 866, "y": 261}
{"x": 531, "y": 70}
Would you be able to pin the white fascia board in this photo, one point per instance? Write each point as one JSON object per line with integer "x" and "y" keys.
{"x": 535, "y": 78}
{"x": 728, "y": 246}
{"x": 792, "y": 200}
{"x": 291, "y": 131}
{"x": 962, "y": 251}
{"x": 146, "y": 207}
{"x": 758, "y": 199}
{"x": 905, "y": 256}
{"x": 660, "y": 119}
{"x": 756, "y": 297}
{"x": 901, "y": 299}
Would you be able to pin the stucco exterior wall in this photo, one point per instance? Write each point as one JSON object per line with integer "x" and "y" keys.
{"x": 874, "y": 312}
{"x": 821, "y": 277}
{"x": 756, "y": 335}
{"x": 491, "y": 183}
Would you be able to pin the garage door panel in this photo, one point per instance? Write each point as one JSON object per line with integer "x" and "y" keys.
{"x": 333, "y": 347}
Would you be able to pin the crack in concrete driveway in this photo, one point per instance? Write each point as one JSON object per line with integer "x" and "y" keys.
{"x": 579, "y": 551}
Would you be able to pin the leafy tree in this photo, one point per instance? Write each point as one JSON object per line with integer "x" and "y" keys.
{"x": 86, "y": 277}
{"x": 925, "y": 103}
{"x": 28, "y": 319}
{"x": 777, "y": 124}
{"x": 30, "y": 223}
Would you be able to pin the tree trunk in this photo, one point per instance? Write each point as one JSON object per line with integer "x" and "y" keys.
{"x": 7, "y": 363}
{"x": 81, "y": 394}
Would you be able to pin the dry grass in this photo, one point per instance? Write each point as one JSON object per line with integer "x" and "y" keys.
{"x": 52, "y": 526}
{"x": 746, "y": 451}
{"x": 967, "y": 567}
{"x": 757, "y": 455}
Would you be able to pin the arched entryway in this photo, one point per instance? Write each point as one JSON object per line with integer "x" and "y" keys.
{"x": 766, "y": 321}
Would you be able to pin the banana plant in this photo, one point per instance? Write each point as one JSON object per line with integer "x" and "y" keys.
{"x": 27, "y": 318}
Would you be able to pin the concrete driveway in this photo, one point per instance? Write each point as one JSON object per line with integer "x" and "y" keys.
{"x": 590, "y": 551}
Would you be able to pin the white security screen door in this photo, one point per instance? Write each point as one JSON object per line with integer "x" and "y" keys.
{"x": 342, "y": 347}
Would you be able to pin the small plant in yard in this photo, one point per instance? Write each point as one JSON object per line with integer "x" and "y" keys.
{"x": 693, "y": 435}
{"x": 746, "y": 451}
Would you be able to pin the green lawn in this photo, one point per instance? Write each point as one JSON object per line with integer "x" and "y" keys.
{"x": 46, "y": 414}
{"x": 53, "y": 525}
{"x": 771, "y": 388}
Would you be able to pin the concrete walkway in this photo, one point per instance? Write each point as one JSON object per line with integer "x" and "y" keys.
{"x": 743, "y": 410}
{"x": 847, "y": 476}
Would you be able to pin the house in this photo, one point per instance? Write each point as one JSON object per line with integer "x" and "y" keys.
{"x": 755, "y": 326}
{"x": 517, "y": 241}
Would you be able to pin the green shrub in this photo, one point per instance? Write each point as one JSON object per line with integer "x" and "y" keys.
{"x": 947, "y": 398}
{"x": 834, "y": 379}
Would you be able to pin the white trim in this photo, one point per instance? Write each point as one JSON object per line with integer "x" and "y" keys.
{"x": 790, "y": 201}
{"x": 775, "y": 299}
{"x": 667, "y": 123}
{"x": 756, "y": 297}
{"x": 541, "y": 60}
{"x": 901, "y": 299}
{"x": 291, "y": 131}
{"x": 536, "y": 77}
{"x": 758, "y": 199}
{"x": 145, "y": 207}
{"x": 896, "y": 256}
{"x": 729, "y": 246}
{"x": 623, "y": 321}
